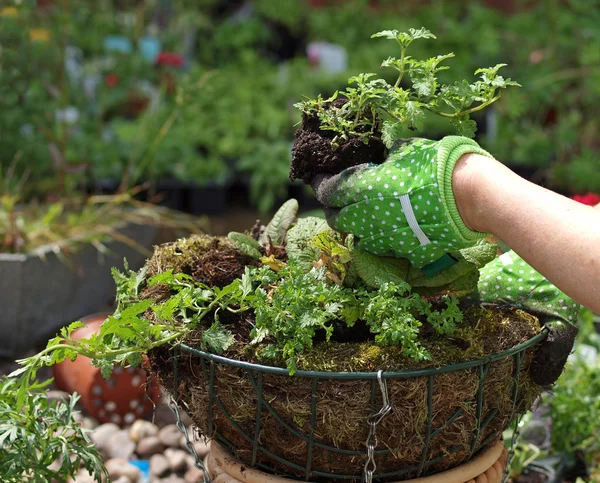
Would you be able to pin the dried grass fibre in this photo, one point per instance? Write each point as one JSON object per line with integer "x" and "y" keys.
{"x": 343, "y": 407}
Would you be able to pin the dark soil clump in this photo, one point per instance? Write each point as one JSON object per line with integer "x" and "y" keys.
{"x": 220, "y": 265}
{"x": 213, "y": 261}
{"x": 313, "y": 153}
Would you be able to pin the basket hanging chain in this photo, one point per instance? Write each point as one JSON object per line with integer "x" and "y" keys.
{"x": 190, "y": 446}
{"x": 374, "y": 420}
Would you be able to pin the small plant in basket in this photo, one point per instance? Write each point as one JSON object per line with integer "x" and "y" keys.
{"x": 297, "y": 295}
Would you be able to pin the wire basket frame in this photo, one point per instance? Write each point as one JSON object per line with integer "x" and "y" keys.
{"x": 255, "y": 374}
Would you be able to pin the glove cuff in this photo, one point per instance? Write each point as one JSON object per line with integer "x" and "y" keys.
{"x": 450, "y": 149}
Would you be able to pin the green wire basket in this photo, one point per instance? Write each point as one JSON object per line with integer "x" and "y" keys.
{"x": 246, "y": 408}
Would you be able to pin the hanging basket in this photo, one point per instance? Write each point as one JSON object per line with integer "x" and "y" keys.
{"x": 314, "y": 426}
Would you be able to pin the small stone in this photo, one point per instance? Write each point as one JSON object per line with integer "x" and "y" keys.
{"x": 194, "y": 475}
{"x": 173, "y": 479}
{"x": 56, "y": 395}
{"x": 142, "y": 429}
{"x": 102, "y": 434}
{"x": 177, "y": 459}
{"x": 163, "y": 416}
{"x": 149, "y": 446}
{"x": 122, "y": 479}
{"x": 120, "y": 445}
{"x": 120, "y": 467}
{"x": 88, "y": 423}
{"x": 159, "y": 465}
{"x": 170, "y": 436}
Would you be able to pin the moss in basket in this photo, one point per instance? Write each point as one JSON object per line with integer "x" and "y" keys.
{"x": 358, "y": 124}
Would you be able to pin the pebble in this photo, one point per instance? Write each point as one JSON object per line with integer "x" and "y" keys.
{"x": 170, "y": 436}
{"x": 56, "y": 395}
{"x": 163, "y": 416}
{"x": 173, "y": 479}
{"x": 120, "y": 467}
{"x": 149, "y": 446}
{"x": 159, "y": 466}
{"x": 103, "y": 434}
{"x": 142, "y": 429}
{"x": 194, "y": 475}
{"x": 177, "y": 459}
{"x": 122, "y": 479}
{"x": 120, "y": 445}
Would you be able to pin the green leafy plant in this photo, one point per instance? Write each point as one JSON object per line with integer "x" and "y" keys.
{"x": 40, "y": 440}
{"x": 372, "y": 105}
{"x": 309, "y": 279}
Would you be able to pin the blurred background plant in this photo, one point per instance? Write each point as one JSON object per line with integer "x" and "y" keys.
{"x": 122, "y": 92}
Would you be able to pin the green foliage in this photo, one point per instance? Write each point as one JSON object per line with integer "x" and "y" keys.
{"x": 35, "y": 432}
{"x": 281, "y": 222}
{"x": 574, "y": 405}
{"x": 245, "y": 244}
{"x": 392, "y": 315}
{"x": 298, "y": 242}
{"x": 462, "y": 277}
{"x": 377, "y": 271}
{"x": 372, "y": 104}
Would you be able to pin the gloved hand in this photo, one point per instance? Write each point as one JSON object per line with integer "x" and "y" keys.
{"x": 509, "y": 280}
{"x": 404, "y": 207}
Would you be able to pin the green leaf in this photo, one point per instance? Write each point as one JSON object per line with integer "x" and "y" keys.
{"x": 217, "y": 338}
{"x": 464, "y": 126}
{"x": 281, "y": 222}
{"x": 376, "y": 271}
{"x": 481, "y": 254}
{"x": 245, "y": 244}
{"x": 299, "y": 246}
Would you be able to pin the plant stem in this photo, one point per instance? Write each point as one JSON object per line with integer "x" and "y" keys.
{"x": 469, "y": 111}
{"x": 403, "y": 52}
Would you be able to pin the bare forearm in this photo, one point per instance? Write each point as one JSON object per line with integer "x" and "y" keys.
{"x": 558, "y": 237}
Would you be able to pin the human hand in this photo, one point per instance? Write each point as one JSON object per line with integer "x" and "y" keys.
{"x": 510, "y": 281}
{"x": 404, "y": 207}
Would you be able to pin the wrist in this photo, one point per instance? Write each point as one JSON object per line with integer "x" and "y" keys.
{"x": 469, "y": 182}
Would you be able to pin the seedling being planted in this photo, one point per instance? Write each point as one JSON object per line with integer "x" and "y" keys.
{"x": 358, "y": 125}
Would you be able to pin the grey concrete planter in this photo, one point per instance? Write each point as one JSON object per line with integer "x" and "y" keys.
{"x": 40, "y": 294}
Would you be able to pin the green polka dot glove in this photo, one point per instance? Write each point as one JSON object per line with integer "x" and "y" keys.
{"x": 509, "y": 280}
{"x": 404, "y": 207}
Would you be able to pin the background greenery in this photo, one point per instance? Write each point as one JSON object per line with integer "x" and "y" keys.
{"x": 221, "y": 111}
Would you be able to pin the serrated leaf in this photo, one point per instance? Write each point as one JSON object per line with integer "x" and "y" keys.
{"x": 459, "y": 287}
{"x": 376, "y": 271}
{"x": 465, "y": 127}
{"x": 281, "y": 222}
{"x": 392, "y": 131}
{"x": 245, "y": 244}
{"x": 480, "y": 254}
{"x": 217, "y": 338}
{"x": 299, "y": 246}
{"x": 415, "y": 115}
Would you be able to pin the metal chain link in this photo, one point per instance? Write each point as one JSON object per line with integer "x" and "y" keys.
{"x": 374, "y": 420}
{"x": 190, "y": 446}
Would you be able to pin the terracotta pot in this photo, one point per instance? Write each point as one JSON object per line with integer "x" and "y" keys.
{"x": 487, "y": 467}
{"x": 123, "y": 398}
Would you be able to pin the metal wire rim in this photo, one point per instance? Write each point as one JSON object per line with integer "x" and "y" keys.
{"x": 255, "y": 374}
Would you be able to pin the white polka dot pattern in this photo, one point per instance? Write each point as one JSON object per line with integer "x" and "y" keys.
{"x": 372, "y": 201}
{"x": 509, "y": 280}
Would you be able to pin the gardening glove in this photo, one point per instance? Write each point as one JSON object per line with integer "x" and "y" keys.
{"x": 509, "y": 280}
{"x": 404, "y": 207}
